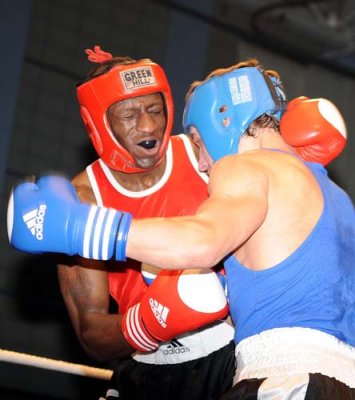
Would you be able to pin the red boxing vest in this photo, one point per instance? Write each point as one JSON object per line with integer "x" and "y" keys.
{"x": 179, "y": 192}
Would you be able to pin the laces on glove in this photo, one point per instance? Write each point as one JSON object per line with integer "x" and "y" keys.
{"x": 97, "y": 55}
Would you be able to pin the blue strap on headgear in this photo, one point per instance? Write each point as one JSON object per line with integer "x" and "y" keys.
{"x": 224, "y": 106}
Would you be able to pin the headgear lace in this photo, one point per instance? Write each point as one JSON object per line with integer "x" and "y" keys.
{"x": 97, "y": 55}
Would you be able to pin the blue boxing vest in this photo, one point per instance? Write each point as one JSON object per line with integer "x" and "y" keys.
{"x": 314, "y": 287}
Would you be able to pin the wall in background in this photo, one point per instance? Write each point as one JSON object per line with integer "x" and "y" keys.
{"x": 46, "y": 135}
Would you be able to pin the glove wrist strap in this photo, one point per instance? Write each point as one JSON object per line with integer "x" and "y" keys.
{"x": 135, "y": 331}
{"x": 103, "y": 233}
{"x": 122, "y": 235}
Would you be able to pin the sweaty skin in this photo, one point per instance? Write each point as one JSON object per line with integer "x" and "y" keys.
{"x": 255, "y": 211}
{"x": 139, "y": 124}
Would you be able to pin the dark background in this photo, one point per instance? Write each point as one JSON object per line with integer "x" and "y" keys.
{"x": 42, "y": 58}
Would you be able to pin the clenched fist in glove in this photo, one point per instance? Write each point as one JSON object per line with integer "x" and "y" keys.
{"x": 176, "y": 302}
{"x": 47, "y": 216}
{"x": 315, "y": 128}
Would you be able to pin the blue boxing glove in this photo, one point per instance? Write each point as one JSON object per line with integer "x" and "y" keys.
{"x": 48, "y": 216}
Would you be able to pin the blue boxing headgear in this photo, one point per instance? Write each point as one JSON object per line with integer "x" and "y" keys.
{"x": 223, "y": 107}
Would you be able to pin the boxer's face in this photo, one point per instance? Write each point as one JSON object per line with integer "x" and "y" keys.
{"x": 205, "y": 161}
{"x": 138, "y": 124}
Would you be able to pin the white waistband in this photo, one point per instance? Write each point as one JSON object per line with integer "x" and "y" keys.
{"x": 287, "y": 351}
{"x": 190, "y": 346}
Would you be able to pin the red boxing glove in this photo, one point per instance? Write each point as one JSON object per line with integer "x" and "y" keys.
{"x": 176, "y": 302}
{"x": 315, "y": 128}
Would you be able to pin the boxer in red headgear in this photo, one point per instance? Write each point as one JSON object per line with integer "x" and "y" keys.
{"x": 122, "y": 82}
{"x": 127, "y": 108}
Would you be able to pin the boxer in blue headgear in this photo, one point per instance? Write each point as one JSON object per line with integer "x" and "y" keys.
{"x": 222, "y": 108}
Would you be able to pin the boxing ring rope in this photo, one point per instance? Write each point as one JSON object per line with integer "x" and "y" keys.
{"x": 55, "y": 365}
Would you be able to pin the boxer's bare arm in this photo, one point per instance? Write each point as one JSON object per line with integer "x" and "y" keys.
{"x": 84, "y": 287}
{"x": 233, "y": 212}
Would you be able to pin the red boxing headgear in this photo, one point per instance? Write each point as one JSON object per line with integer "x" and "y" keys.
{"x": 122, "y": 82}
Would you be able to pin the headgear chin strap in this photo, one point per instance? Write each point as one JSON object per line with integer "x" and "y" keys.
{"x": 120, "y": 83}
{"x": 223, "y": 107}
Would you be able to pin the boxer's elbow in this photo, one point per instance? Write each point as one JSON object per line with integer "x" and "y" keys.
{"x": 206, "y": 252}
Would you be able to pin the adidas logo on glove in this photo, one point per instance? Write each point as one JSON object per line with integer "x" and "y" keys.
{"x": 34, "y": 221}
{"x": 160, "y": 312}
